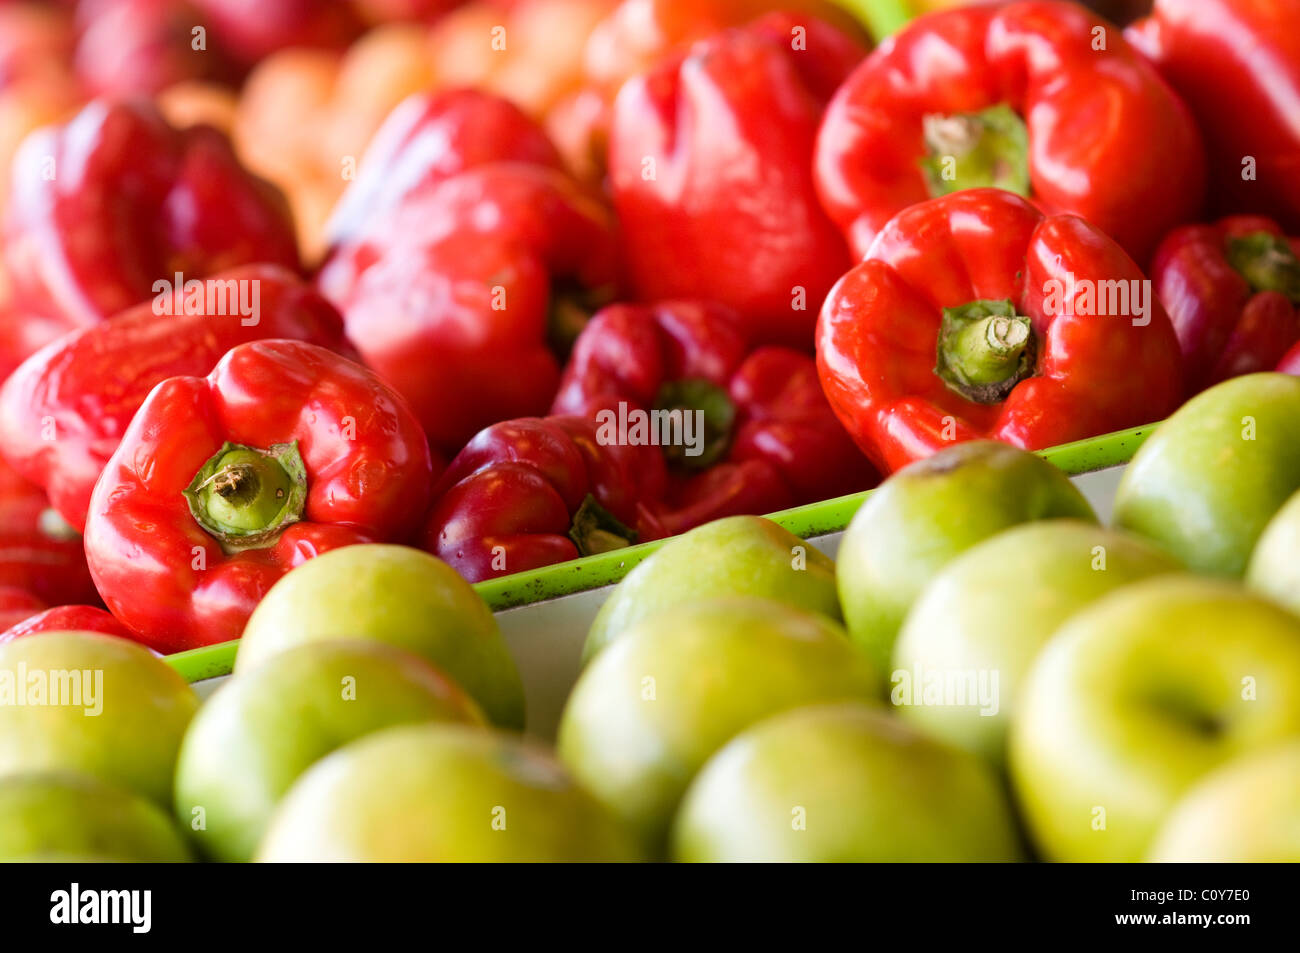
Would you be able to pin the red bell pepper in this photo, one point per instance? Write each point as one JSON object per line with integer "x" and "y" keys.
{"x": 222, "y": 484}
{"x": 39, "y": 553}
{"x": 116, "y": 199}
{"x": 459, "y": 295}
{"x": 709, "y": 161}
{"x": 429, "y": 138}
{"x": 66, "y": 619}
{"x": 1237, "y": 65}
{"x": 761, "y": 437}
{"x": 64, "y": 410}
{"x": 17, "y": 605}
{"x": 535, "y": 491}
{"x": 1043, "y": 98}
{"x": 976, "y": 316}
{"x": 1232, "y": 290}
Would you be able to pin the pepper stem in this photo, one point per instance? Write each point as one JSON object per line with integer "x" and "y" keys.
{"x": 975, "y": 150}
{"x": 985, "y": 349}
{"x": 596, "y": 530}
{"x": 706, "y": 435}
{"x": 1267, "y": 262}
{"x": 245, "y": 497}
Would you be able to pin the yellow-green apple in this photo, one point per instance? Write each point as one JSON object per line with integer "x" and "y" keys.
{"x": 1210, "y": 478}
{"x": 736, "y": 556}
{"x": 400, "y": 596}
{"x": 93, "y": 703}
{"x": 666, "y": 694}
{"x": 1248, "y": 811}
{"x": 1274, "y": 567}
{"x": 442, "y": 793}
{"x": 260, "y": 731}
{"x": 977, "y": 627}
{"x": 928, "y": 513}
{"x": 1137, "y": 698}
{"x": 63, "y": 816}
{"x": 843, "y": 782}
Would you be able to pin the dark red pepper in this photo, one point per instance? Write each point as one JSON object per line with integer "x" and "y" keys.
{"x": 1232, "y": 291}
{"x": 64, "y": 410}
{"x": 763, "y": 437}
{"x": 531, "y": 492}
{"x": 223, "y": 483}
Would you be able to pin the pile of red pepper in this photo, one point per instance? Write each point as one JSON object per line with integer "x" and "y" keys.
{"x": 741, "y": 261}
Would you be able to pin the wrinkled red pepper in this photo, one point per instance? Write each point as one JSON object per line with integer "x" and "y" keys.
{"x": 40, "y": 554}
{"x": 975, "y": 316}
{"x": 115, "y": 200}
{"x": 65, "y": 619}
{"x": 1017, "y": 96}
{"x": 64, "y": 410}
{"x": 764, "y": 439}
{"x": 222, "y": 484}
{"x": 1232, "y": 290}
{"x": 460, "y": 293}
{"x": 1237, "y": 65}
{"x": 531, "y": 492}
{"x": 709, "y": 168}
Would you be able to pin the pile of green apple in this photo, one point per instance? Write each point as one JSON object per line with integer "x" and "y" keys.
{"x": 987, "y": 674}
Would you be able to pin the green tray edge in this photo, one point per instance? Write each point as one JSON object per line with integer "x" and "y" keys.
{"x": 593, "y": 572}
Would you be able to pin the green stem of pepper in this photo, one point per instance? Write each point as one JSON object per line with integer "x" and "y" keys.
{"x": 245, "y": 497}
{"x": 1267, "y": 263}
{"x": 985, "y": 349}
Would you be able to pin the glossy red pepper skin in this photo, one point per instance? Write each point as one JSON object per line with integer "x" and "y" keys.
{"x": 368, "y": 475}
{"x": 782, "y": 446}
{"x": 17, "y": 605}
{"x": 878, "y": 332}
{"x": 709, "y": 161}
{"x": 429, "y": 138}
{"x": 1225, "y": 327}
{"x": 1107, "y": 138}
{"x": 66, "y": 619}
{"x": 1237, "y": 65}
{"x": 39, "y": 553}
{"x": 132, "y": 200}
{"x": 64, "y": 410}
{"x": 508, "y": 502}
{"x": 449, "y": 296}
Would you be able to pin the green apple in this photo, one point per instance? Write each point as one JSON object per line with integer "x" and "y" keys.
{"x": 928, "y": 513}
{"x": 1211, "y": 477}
{"x": 397, "y": 595}
{"x": 736, "y": 556}
{"x": 441, "y": 793}
{"x": 1138, "y": 697}
{"x": 975, "y": 630}
{"x": 669, "y": 692}
{"x": 67, "y": 816}
{"x": 1248, "y": 811}
{"x": 260, "y": 731}
{"x": 844, "y": 782}
{"x": 1274, "y": 567}
{"x": 92, "y": 703}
